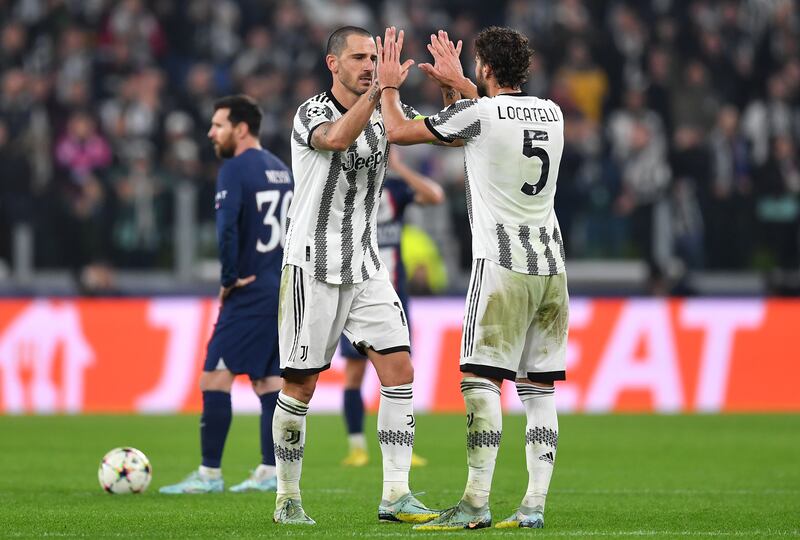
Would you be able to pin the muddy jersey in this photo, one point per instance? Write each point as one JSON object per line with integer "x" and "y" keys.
{"x": 512, "y": 150}
{"x": 332, "y": 227}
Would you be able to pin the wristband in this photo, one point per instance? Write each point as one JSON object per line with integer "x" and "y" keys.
{"x": 385, "y": 87}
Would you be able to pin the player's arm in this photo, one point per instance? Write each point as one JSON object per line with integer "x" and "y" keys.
{"x": 426, "y": 191}
{"x": 339, "y": 135}
{"x": 228, "y": 207}
{"x": 447, "y": 71}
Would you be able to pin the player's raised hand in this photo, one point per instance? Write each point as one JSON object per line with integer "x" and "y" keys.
{"x": 446, "y": 69}
{"x": 224, "y": 292}
{"x": 390, "y": 71}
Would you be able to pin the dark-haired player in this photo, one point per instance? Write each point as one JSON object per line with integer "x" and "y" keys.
{"x": 254, "y": 189}
{"x": 515, "y": 324}
{"x": 333, "y": 280}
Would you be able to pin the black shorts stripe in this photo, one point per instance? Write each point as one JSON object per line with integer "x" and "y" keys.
{"x": 470, "y": 302}
{"x": 547, "y": 377}
{"x": 390, "y": 350}
{"x": 475, "y": 296}
{"x": 289, "y": 373}
{"x": 298, "y": 292}
{"x": 491, "y": 372}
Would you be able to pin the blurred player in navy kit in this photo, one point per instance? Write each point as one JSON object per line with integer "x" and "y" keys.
{"x": 402, "y": 187}
{"x": 254, "y": 190}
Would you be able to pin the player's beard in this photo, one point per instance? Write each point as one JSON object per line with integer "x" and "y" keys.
{"x": 225, "y": 149}
{"x": 480, "y": 82}
{"x": 352, "y": 84}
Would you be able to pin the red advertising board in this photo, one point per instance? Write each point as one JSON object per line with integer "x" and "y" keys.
{"x": 144, "y": 355}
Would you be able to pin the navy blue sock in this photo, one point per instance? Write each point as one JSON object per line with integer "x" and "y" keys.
{"x": 268, "y": 401}
{"x": 353, "y": 410}
{"x": 214, "y": 425}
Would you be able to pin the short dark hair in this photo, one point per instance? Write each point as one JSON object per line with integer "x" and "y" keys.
{"x": 242, "y": 109}
{"x": 507, "y": 52}
{"x": 338, "y": 39}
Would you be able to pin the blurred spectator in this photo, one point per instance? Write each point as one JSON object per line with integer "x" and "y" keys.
{"x": 694, "y": 102}
{"x": 777, "y": 188}
{"x": 140, "y": 227}
{"x": 15, "y": 189}
{"x": 81, "y": 150}
{"x": 587, "y": 83}
{"x": 728, "y": 196}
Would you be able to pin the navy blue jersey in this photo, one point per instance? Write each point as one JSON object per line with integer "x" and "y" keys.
{"x": 395, "y": 198}
{"x": 254, "y": 190}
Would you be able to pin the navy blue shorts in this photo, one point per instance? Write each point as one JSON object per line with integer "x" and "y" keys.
{"x": 247, "y": 345}
{"x": 348, "y": 350}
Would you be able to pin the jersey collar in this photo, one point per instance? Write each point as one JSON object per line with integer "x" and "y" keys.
{"x": 521, "y": 93}
{"x": 335, "y": 101}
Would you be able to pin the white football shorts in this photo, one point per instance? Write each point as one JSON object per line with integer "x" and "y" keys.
{"x": 313, "y": 314}
{"x": 515, "y": 325}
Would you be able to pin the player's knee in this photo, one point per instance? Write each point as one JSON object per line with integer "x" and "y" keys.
{"x": 219, "y": 381}
{"x": 300, "y": 387}
{"x": 402, "y": 372}
{"x": 266, "y": 385}
{"x": 354, "y": 373}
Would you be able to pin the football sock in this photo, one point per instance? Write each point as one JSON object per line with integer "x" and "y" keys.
{"x": 541, "y": 440}
{"x": 289, "y": 434}
{"x": 396, "y": 437}
{"x": 353, "y": 410}
{"x": 357, "y": 440}
{"x": 268, "y": 401}
{"x": 264, "y": 471}
{"x": 214, "y": 425}
{"x": 484, "y": 429}
{"x": 210, "y": 473}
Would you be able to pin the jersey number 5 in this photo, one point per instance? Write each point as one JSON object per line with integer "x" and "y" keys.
{"x": 276, "y": 223}
{"x": 529, "y": 151}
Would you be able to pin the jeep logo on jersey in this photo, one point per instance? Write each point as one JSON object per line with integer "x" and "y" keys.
{"x": 353, "y": 161}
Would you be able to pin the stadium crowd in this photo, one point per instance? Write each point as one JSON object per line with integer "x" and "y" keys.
{"x": 683, "y": 120}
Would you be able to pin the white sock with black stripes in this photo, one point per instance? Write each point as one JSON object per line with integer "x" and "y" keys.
{"x": 484, "y": 428}
{"x": 396, "y": 437}
{"x": 541, "y": 441}
{"x": 289, "y": 434}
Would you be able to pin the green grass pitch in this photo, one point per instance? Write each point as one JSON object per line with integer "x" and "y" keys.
{"x": 616, "y": 476}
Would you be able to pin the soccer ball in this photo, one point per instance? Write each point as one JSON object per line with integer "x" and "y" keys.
{"x": 124, "y": 470}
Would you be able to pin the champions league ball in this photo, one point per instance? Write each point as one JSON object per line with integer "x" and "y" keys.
{"x": 124, "y": 470}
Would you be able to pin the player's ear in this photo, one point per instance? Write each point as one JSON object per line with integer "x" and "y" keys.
{"x": 333, "y": 63}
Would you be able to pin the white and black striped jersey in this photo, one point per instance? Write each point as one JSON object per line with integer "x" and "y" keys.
{"x": 333, "y": 217}
{"x": 512, "y": 150}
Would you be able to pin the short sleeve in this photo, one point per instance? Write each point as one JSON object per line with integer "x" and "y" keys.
{"x": 458, "y": 121}
{"x": 309, "y": 116}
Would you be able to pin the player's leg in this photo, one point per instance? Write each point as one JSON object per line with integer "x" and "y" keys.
{"x": 544, "y": 362}
{"x": 312, "y": 315}
{"x": 289, "y": 434}
{"x": 377, "y": 322}
{"x": 214, "y": 425}
{"x": 263, "y": 477}
{"x": 354, "y": 370}
{"x": 416, "y": 459}
{"x": 492, "y": 341}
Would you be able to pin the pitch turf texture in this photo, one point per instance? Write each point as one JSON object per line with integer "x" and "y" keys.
{"x": 615, "y": 476}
